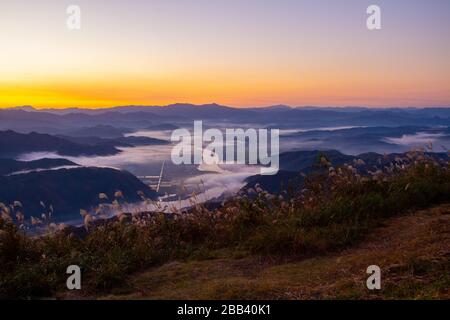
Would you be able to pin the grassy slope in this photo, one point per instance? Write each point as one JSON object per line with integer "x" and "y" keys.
{"x": 215, "y": 254}
{"x": 413, "y": 252}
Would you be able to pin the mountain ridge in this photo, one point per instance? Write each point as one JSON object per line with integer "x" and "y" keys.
{"x": 69, "y": 190}
{"x": 13, "y": 144}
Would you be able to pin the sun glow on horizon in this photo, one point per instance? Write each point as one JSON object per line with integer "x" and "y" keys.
{"x": 280, "y": 52}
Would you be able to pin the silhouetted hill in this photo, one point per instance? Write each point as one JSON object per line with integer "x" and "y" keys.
{"x": 277, "y": 183}
{"x": 294, "y": 164}
{"x": 13, "y": 143}
{"x": 300, "y": 160}
{"x": 69, "y": 190}
{"x": 8, "y": 166}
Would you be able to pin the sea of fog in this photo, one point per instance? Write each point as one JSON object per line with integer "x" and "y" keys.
{"x": 208, "y": 183}
{"x": 419, "y": 139}
{"x": 147, "y": 160}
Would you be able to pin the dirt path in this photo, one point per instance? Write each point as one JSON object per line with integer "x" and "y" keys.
{"x": 413, "y": 252}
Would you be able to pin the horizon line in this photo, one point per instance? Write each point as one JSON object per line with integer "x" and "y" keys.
{"x": 24, "y": 107}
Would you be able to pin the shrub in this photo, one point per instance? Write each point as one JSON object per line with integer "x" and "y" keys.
{"x": 334, "y": 208}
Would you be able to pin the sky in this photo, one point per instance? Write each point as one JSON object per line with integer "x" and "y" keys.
{"x": 241, "y": 53}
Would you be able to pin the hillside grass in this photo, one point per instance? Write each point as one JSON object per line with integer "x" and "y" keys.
{"x": 412, "y": 250}
{"x": 335, "y": 208}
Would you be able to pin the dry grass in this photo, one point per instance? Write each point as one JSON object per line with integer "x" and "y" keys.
{"x": 413, "y": 252}
{"x": 336, "y": 208}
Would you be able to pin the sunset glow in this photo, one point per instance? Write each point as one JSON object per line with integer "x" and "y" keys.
{"x": 238, "y": 53}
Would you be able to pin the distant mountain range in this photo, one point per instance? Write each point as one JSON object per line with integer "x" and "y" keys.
{"x": 375, "y": 139}
{"x": 129, "y": 141}
{"x": 70, "y": 121}
{"x": 69, "y": 190}
{"x": 101, "y": 131}
{"x": 163, "y": 127}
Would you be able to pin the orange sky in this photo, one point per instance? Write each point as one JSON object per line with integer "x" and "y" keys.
{"x": 242, "y": 54}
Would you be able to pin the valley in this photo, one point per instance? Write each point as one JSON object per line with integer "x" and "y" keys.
{"x": 137, "y": 140}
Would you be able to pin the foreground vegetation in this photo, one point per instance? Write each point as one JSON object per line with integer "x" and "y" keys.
{"x": 335, "y": 208}
{"x": 412, "y": 250}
